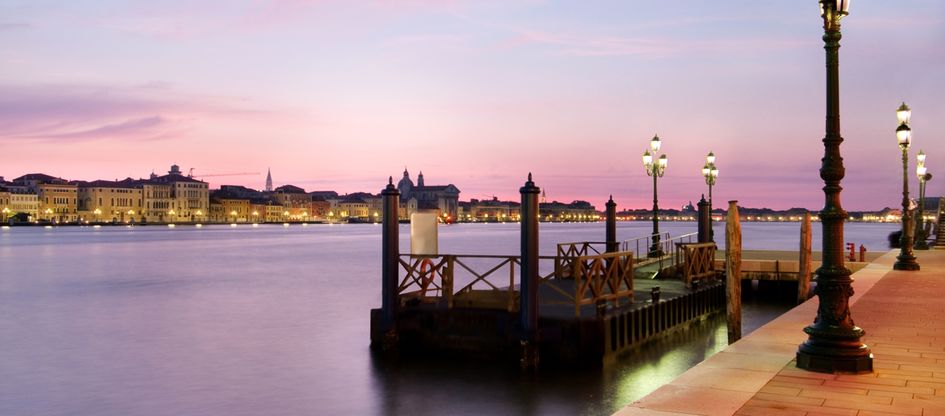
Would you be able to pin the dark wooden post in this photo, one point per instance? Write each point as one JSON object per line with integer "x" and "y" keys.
{"x": 390, "y": 255}
{"x": 733, "y": 272}
{"x": 612, "y": 245}
{"x": 705, "y": 221}
{"x": 528, "y": 308}
{"x": 805, "y": 264}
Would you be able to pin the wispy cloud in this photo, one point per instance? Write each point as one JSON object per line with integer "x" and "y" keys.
{"x": 71, "y": 113}
{"x": 4, "y": 26}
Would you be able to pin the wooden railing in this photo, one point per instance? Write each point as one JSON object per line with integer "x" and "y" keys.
{"x": 599, "y": 278}
{"x": 491, "y": 281}
{"x": 480, "y": 291}
{"x": 603, "y": 278}
{"x": 698, "y": 262}
{"x": 426, "y": 279}
{"x": 568, "y": 252}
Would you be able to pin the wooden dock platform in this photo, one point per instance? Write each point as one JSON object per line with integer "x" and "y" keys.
{"x": 590, "y": 308}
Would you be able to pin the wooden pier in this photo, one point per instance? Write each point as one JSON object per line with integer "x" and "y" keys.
{"x": 582, "y": 306}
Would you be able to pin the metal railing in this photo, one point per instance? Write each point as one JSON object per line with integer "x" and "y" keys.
{"x": 641, "y": 246}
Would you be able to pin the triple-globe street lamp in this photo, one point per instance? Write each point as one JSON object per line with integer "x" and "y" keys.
{"x": 656, "y": 170}
{"x": 711, "y": 174}
{"x": 922, "y": 173}
{"x": 906, "y": 259}
{"x": 833, "y": 343}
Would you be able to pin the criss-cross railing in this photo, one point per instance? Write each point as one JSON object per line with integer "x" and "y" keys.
{"x": 568, "y": 252}
{"x": 603, "y": 278}
{"x": 481, "y": 281}
{"x": 426, "y": 279}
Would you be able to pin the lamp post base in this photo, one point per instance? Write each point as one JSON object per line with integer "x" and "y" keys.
{"x": 833, "y": 352}
{"x": 655, "y": 252}
{"x": 906, "y": 263}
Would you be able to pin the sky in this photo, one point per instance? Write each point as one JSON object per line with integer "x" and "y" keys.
{"x": 339, "y": 95}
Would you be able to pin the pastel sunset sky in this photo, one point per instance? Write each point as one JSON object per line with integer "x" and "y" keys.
{"x": 339, "y": 95}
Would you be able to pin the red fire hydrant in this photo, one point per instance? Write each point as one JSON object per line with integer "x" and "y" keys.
{"x": 852, "y": 248}
{"x": 862, "y": 253}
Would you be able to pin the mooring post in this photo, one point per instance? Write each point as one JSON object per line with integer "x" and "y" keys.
{"x": 612, "y": 245}
{"x": 733, "y": 272}
{"x": 705, "y": 221}
{"x": 805, "y": 264}
{"x": 528, "y": 308}
{"x": 390, "y": 253}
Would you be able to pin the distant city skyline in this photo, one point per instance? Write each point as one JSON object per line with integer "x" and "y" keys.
{"x": 341, "y": 95}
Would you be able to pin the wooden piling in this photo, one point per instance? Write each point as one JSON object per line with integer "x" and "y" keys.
{"x": 804, "y": 262}
{"x": 733, "y": 265}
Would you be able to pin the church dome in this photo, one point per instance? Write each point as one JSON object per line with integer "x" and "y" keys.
{"x": 405, "y": 184}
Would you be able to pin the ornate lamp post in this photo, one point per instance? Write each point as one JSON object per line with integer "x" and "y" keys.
{"x": 710, "y": 173}
{"x": 656, "y": 170}
{"x": 906, "y": 259}
{"x": 833, "y": 343}
{"x": 921, "y": 242}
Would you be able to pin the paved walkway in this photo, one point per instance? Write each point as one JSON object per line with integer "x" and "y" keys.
{"x": 903, "y": 314}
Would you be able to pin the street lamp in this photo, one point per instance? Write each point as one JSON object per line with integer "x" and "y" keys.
{"x": 233, "y": 213}
{"x": 921, "y": 242}
{"x": 710, "y": 173}
{"x": 6, "y": 213}
{"x": 255, "y": 217}
{"x": 97, "y": 212}
{"x": 833, "y": 343}
{"x": 656, "y": 170}
{"x": 906, "y": 259}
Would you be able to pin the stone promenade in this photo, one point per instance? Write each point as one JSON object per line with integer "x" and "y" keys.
{"x": 903, "y": 314}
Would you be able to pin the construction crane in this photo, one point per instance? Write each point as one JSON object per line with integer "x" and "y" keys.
{"x": 191, "y": 174}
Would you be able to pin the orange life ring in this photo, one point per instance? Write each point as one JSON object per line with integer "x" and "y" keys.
{"x": 425, "y": 280}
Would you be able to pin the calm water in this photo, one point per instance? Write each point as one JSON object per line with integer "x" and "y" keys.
{"x": 274, "y": 321}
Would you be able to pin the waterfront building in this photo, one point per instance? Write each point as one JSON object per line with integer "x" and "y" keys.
{"x": 110, "y": 201}
{"x": 24, "y": 203}
{"x": 234, "y": 204}
{"x": 442, "y": 198}
{"x": 190, "y": 197}
{"x": 319, "y": 208}
{"x": 324, "y": 195}
{"x": 217, "y": 212}
{"x": 354, "y": 207}
{"x": 236, "y": 210}
{"x": 157, "y": 202}
{"x": 291, "y": 196}
{"x": 491, "y": 210}
{"x": 6, "y": 210}
{"x": 574, "y": 211}
{"x": 57, "y": 197}
{"x": 274, "y": 213}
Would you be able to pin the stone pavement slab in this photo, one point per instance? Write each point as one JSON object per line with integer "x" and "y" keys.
{"x": 903, "y": 314}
